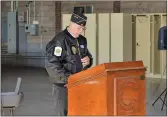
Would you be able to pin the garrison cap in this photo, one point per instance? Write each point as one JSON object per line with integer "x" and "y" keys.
{"x": 79, "y": 19}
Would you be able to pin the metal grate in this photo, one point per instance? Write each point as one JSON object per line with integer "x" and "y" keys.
{"x": 116, "y": 6}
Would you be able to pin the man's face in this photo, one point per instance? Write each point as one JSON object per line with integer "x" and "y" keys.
{"x": 78, "y": 29}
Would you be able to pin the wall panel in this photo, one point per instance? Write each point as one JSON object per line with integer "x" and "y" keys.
{"x": 90, "y": 34}
{"x": 104, "y": 38}
{"x": 156, "y": 52}
{"x": 65, "y": 20}
{"x": 143, "y": 40}
{"x": 121, "y": 37}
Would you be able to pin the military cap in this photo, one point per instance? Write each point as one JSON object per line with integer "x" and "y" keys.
{"x": 79, "y": 19}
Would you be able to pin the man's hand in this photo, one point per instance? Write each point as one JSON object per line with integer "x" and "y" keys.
{"x": 85, "y": 61}
{"x": 65, "y": 85}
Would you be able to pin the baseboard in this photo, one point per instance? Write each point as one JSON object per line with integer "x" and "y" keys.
{"x": 158, "y": 76}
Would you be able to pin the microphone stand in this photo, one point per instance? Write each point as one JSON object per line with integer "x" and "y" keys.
{"x": 165, "y": 90}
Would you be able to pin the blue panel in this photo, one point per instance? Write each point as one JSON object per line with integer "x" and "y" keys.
{"x": 22, "y": 40}
{"x": 12, "y": 33}
{"x": 32, "y": 29}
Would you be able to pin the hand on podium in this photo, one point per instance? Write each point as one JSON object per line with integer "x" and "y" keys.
{"x": 65, "y": 85}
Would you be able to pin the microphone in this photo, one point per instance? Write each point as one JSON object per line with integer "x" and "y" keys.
{"x": 83, "y": 51}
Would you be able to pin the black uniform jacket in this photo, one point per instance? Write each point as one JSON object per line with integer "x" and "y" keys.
{"x": 67, "y": 61}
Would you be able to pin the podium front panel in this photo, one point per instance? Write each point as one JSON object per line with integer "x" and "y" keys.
{"x": 129, "y": 97}
{"x": 88, "y": 98}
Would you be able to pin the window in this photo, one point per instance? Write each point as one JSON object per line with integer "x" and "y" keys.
{"x": 83, "y": 9}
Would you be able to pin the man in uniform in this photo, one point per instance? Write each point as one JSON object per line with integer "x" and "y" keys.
{"x": 67, "y": 54}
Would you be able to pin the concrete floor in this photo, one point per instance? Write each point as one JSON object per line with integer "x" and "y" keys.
{"x": 37, "y": 91}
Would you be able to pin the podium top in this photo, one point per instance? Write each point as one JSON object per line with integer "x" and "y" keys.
{"x": 104, "y": 69}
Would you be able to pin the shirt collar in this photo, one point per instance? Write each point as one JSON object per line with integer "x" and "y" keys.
{"x": 68, "y": 33}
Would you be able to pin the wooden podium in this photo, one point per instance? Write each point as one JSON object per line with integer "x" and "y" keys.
{"x": 116, "y": 88}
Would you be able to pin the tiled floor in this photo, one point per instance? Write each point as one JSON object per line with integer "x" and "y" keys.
{"x": 37, "y": 91}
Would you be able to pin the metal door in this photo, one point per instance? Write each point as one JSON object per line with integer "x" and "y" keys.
{"x": 143, "y": 40}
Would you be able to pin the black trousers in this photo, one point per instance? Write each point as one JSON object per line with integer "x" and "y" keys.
{"x": 60, "y": 100}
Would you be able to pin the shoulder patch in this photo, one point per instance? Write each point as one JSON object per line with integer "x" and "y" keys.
{"x": 57, "y": 51}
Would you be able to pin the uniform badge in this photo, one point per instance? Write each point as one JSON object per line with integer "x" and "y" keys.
{"x": 58, "y": 51}
{"x": 82, "y": 46}
{"x": 74, "y": 50}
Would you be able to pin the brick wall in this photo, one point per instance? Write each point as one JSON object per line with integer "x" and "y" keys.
{"x": 51, "y": 21}
{"x": 98, "y": 6}
{"x": 58, "y": 16}
{"x": 45, "y": 14}
{"x": 46, "y": 20}
{"x": 144, "y": 7}
{"x": 126, "y": 6}
{"x": 49, "y": 17}
{"x": 48, "y": 13}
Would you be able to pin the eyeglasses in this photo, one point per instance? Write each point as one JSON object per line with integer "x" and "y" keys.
{"x": 81, "y": 28}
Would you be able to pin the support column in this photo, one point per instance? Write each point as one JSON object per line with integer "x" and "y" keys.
{"x": 58, "y": 16}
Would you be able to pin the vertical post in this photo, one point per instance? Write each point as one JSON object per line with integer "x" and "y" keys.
{"x": 11, "y": 111}
{"x": 166, "y": 64}
{"x": 16, "y": 5}
{"x": 149, "y": 44}
{"x": 152, "y": 44}
{"x": 11, "y": 6}
{"x": 34, "y": 10}
{"x": 58, "y": 16}
{"x": 29, "y": 13}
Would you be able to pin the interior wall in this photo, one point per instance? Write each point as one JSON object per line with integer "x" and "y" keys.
{"x": 126, "y": 6}
{"x": 46, "y": 23}
{"x": 49, "y": 23}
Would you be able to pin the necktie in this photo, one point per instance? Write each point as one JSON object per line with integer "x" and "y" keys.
{"x": 78, "y": 48}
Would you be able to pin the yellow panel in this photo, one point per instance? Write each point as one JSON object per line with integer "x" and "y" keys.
{"x": 127, "y": 37}
{"x": 164, "y": 19}
{"x": 104, "y": 38}
{"x": 164, "y": 23}
{"x": 90, "y": 34}
{"x": 121, "y": 37}
{"x": 143, "y": 40}
{"x": 157, "y": 23}
{"x": 116, "y": 37}
{"x": 65, "y": 20}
